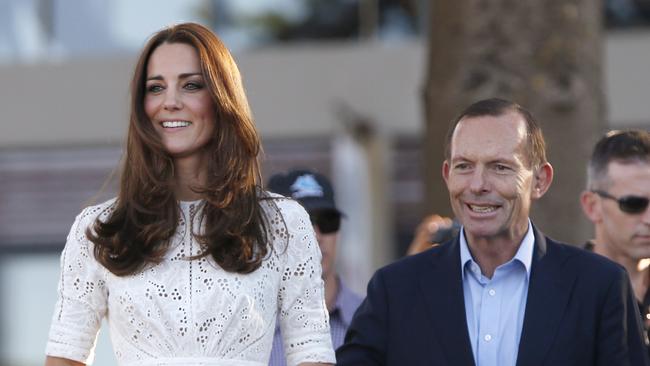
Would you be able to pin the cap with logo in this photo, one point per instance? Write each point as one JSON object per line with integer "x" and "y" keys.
{"x": 311, "y": 189}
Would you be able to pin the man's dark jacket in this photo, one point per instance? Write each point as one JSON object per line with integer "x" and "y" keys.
{"x": 580, "y": 311}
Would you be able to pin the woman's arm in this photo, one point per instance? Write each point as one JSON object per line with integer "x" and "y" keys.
{"x": 82, "y": 297}
{"x": 56, "y": 361}
{"x": 302, "y": 312}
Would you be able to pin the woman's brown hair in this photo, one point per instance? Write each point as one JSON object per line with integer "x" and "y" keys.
{"x": 146, "y": 212}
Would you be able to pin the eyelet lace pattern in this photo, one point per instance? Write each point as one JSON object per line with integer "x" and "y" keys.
{"x": 192, "y": 311}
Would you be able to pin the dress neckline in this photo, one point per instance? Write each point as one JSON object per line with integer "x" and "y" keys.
{"x": 187, "y": 204}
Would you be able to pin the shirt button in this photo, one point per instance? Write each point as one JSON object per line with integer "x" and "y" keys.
{"x": 487, "y": 337}
{"x": 492, "y": 292}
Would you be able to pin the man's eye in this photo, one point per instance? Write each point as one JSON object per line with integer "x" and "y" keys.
{"x": 461, "y": 166}
{"x": 501, "y": 167}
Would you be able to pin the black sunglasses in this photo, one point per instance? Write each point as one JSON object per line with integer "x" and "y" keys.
{"x": 327, "y": 221}
{"x": 629, "y": 204}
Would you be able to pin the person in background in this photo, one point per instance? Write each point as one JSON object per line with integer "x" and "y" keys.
{"x": 431, "y": 231}
{"x": 616, "y": 202}
{"x": 314, "y": 192}
{"x": 193, "y": 260}
{"x": 500, "y": 293}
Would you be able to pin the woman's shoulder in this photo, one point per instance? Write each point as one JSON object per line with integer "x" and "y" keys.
{"x": 274, "y": 203}
{"x": 101, "y": 210}
{"x": 77, "y": 242}
{"x": 287, "y": 222}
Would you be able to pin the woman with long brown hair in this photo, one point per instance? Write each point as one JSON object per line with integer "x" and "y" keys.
{"x": 192, "y": 261}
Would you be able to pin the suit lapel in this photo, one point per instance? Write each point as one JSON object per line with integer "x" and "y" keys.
{"x": 549, "y": 290}
{"x": 442, "y": 289}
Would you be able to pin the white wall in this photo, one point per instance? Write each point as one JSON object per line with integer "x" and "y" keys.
{"x": 28, "y": 285}
{"x": 294, "y": 91}
{"x": 627, "y": 78}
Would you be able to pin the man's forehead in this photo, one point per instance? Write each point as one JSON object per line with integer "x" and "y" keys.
{"x": 625, "y": 170}
{"x": 509, "y": 120}
{"x": 490, "y": 129}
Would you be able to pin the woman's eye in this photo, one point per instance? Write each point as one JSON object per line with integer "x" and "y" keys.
{"x": 154, "y": 88}
{"x": 193, "y": 86}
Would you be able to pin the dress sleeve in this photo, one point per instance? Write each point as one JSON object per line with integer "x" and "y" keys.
{"x": 82, "y": 296}
{"x": 303, "y": 316}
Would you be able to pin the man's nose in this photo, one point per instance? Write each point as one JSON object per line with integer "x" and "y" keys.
{"x": 317, "y": 232}
{"x": 478, "y": 181}
{"x": 645, "y": 216}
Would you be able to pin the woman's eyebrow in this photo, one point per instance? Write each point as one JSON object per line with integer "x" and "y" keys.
{"x": 181, "y": 76}
{"x": 189, "y": 74}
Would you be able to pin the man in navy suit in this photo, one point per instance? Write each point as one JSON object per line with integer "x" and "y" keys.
{"x": 500, "y": 293}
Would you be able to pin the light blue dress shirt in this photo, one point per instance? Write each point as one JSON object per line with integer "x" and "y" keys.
{"x": 495, "y": 306}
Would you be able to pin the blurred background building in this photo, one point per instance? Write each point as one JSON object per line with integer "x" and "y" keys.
{"x": 335, "y": 85}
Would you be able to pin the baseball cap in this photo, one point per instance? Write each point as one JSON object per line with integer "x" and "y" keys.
{"x": 311, "y": 189}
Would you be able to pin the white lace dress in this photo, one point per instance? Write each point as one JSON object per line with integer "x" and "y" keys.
{"x": 192, "y": 312}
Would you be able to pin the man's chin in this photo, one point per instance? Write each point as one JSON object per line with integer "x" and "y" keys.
{"x": 480, "y": 230}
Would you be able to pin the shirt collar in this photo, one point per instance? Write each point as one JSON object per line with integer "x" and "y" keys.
{"x": 524, "y": 254}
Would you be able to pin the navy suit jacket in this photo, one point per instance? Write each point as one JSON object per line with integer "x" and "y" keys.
{"x": 580, "y": 311}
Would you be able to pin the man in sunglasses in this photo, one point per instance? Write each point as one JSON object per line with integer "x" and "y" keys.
{"x": 616, "y": 201}
{"x": 314, "y": 192}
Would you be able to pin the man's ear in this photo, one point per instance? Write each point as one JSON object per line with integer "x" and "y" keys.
{"x": 590, "y": 206}
{"x": 445, "y": 170}
{"x": 543, "y": 177}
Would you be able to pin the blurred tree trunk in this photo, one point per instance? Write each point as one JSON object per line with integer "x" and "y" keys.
{"x": 543, "y": 54}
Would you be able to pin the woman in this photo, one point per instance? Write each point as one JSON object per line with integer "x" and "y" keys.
{"x": 192, "y": 262}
